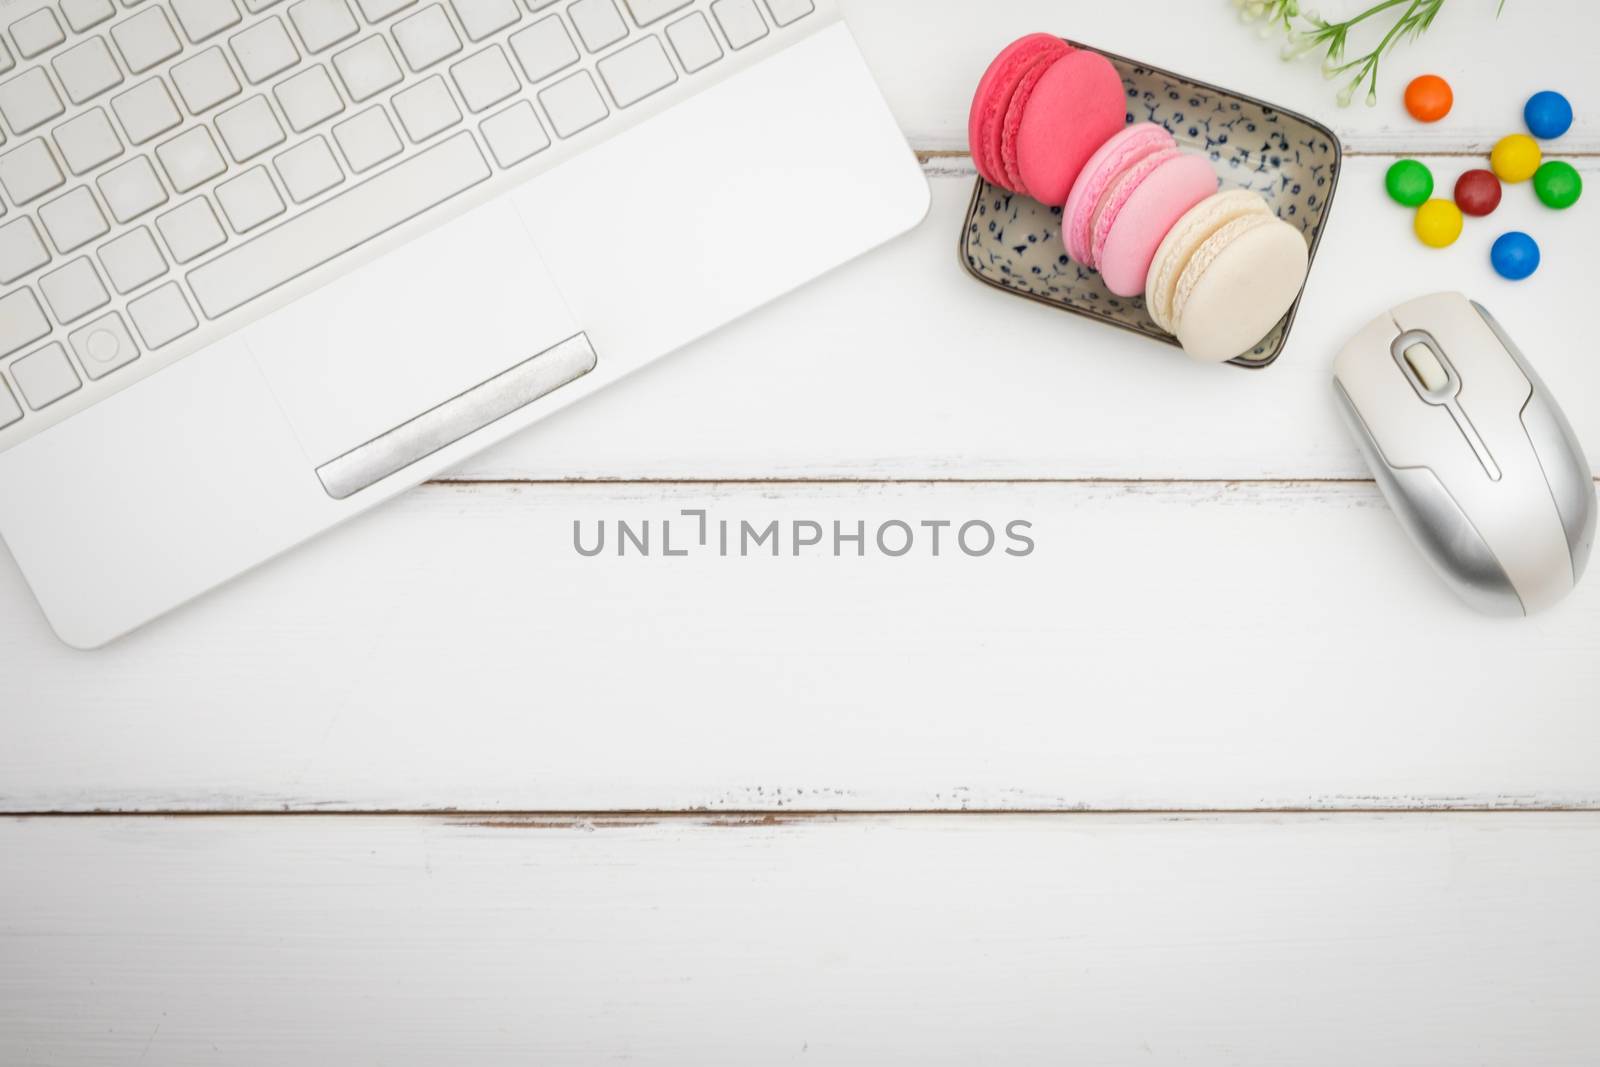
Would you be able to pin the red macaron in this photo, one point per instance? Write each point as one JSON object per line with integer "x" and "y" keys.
{"x": 1041, "y": 110}
{"x": 993, "y": 98}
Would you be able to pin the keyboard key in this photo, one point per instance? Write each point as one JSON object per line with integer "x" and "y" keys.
{"x": 87, "y": 70}
{"x": 131, "y": 189}
{"x": 22, "y": 322}
{"x": 10, "y": 410}
{"x": 103, "y": 345}
{"x": 87, "y": 141}
{"x": 598, "y": 23}
{"x": 204, "y": 19}
{"x": 426, "y": 108}
{"x": 74, "y": 290}
{"x": 190, "y": 230}
{"x": 308, "y": 98}
{"x": 636, "y": 71}
{"x": 162, "y": 316}
{"x": 29, "y": 171}
{"x": 249, "y": 129}
{"x": 573, "y": 104}
{"x": 264, "y": 50}
{"x": 29, "y": 100}
{"x": 190, "y": 159}
{"x": 740, "y": 21}
{"x": 132, "y": 260}
{"x": 515, "y": 134}
{"x": 485, "y": 79}
{"x": 694, "y": 42}
{"x": 367, "y": 68}
{"x": 22, "y": 250}
{"x": 205, "y": 81}
{"x": 784, "y": 12}
{"x": 145, "y": 39}
{"x": 645, "y": 12}
{"x": 480, "y": 18}
{"x": 37, "y": 33}
{"x": 45, "y": 376}
{"x": 6, "y": 62}
{"x": 308, "y": 169}
{"x": 376, "y": 10}
{"x": 253, "y": 6}
{"x": 338, "y": 225}
{"x": 146, "y": 111}
{"x": 86, "y": 14}
{"x": 544, "y": 48}
{"x": 322, "y": 23}
{"x": 249, "y": 200}
{"x": 426, "y": 37}
{"x": 367, "y": 139}
{"x": 73, "y": 220}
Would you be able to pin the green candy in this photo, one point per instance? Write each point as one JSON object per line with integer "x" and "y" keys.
{"x": 1409, "y": 183}
{"x": 1557, "y": 184}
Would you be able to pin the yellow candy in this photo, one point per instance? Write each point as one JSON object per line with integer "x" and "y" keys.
{"x": 1438, "y": 223}
{"x": 1515, "y": 157}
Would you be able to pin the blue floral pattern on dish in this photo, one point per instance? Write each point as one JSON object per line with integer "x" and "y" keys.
{"x": 1014, "y": 242}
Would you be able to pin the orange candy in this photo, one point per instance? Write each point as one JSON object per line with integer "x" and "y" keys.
{"x": 1428, "y": 98}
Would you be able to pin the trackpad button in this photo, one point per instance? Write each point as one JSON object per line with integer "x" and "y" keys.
{"x": 399, "y": 336}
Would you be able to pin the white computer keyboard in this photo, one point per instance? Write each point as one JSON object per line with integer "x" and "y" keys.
{"x": 165, "y": 164}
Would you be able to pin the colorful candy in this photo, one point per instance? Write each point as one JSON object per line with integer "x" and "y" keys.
{"x": 1557, "y": 184}
{"x": 1515, "y": 157}
{"x": 1409, "y": 182}
{"x": 1478, "y": 192}
{"x": 1548, "y": 114}
{"x": 1428, "y": 98}
{"x": 1515, "y": 255}
{"x": 1438, "y": 223}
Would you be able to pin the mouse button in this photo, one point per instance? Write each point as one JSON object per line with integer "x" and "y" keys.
{"x": 1425, "y": 366}
{"x": 1368, "y": 346}
{"x": 1444, "y": 533}
{"x": 1488, "y": 372}
{"x": 1430, "y": 372}
{"x": 1408, "y": 430}
{"x": 1566, "y": 471}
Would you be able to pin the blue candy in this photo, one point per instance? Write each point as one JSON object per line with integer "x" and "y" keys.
{"x": 1548, "y": 115}
{"x": 1515, "y": 255}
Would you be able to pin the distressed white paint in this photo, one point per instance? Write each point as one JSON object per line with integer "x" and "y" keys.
{"x": 1240, "y": 941}
{"x": 1171, "y": 646}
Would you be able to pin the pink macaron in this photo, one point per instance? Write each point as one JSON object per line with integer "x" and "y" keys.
{"x": 1138, "y": 210}
{"x": 1127, "y": 147}
{"x": 994, "y": 95}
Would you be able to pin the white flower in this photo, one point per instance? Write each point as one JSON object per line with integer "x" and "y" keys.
{"x": 1298, "y": 45}
{"x": 1346, "y": 94}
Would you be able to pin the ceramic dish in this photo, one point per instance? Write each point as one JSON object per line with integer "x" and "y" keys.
{"x": 1014, "y": 243}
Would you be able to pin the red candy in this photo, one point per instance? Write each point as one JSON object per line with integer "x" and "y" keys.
{"x": 1477, "y": 192}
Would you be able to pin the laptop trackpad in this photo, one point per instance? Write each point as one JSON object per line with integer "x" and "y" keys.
{"x": 399, "y": 337}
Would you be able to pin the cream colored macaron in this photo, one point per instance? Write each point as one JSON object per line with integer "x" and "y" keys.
{"x": 1226, "y": 272}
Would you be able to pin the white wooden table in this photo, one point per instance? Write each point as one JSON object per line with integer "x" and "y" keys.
{"x": 1219, "y": 774}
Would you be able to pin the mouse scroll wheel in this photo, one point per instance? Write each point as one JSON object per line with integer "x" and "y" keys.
{"x": 1430, "y": 372}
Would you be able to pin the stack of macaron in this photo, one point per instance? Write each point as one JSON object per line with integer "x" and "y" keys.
{"x": 1217, "y": 270}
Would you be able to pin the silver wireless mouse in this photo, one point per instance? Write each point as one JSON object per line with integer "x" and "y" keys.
{"x": 1471, "y": 452}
